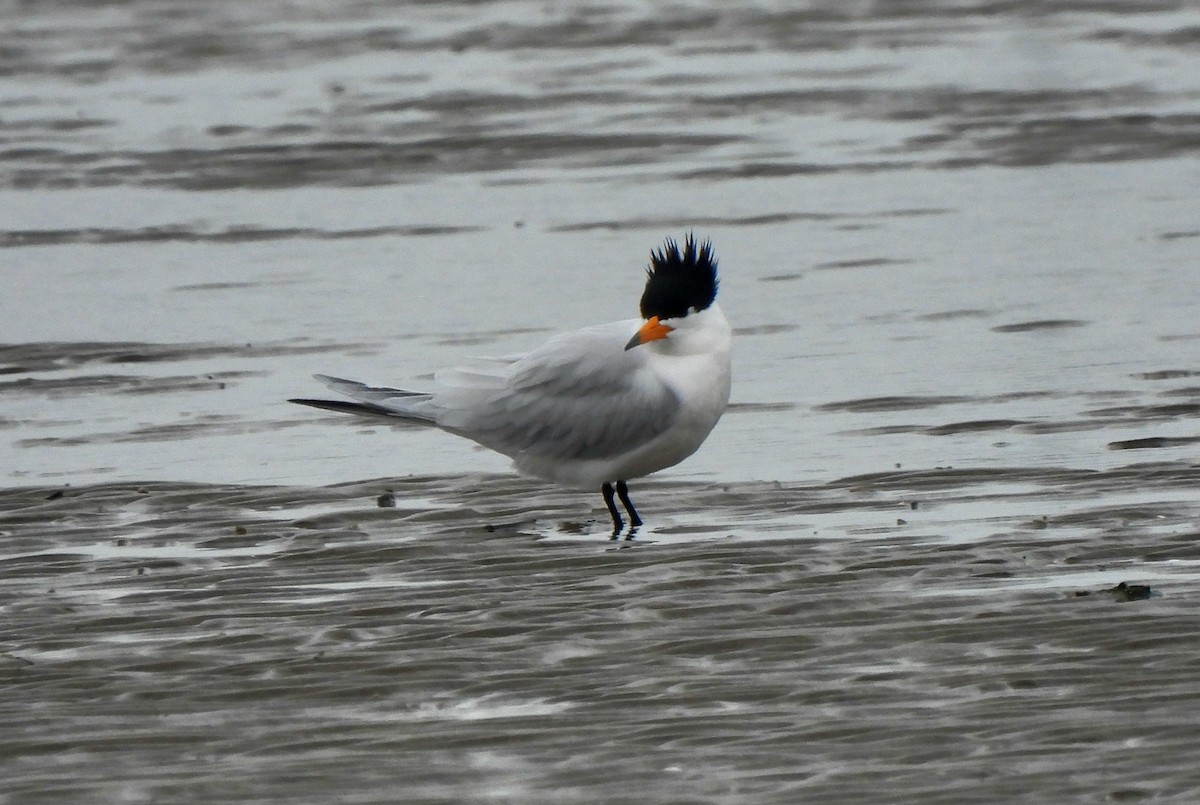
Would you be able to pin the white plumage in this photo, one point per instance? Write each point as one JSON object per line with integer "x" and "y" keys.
{"x": 595, "y": 406}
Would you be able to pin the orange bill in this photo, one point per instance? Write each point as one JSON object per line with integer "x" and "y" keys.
{"x": 652, "y": 330}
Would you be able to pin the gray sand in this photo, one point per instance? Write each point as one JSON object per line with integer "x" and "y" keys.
{"x": 169, "y": 642}
{"x": 958, "y": 243}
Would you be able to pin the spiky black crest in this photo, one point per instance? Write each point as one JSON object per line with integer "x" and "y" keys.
{"x": 680, "y": 282}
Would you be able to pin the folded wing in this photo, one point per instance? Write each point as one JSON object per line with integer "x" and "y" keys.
{"x": 581, "y": 396}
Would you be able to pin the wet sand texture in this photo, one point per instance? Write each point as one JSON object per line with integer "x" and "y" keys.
{"x": 170, "y": 642}
{"x": 958, "y": 244}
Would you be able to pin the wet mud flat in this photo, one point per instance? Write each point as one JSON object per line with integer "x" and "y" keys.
{"x": 938, "y": 635}
{"x": 955, "y": 235}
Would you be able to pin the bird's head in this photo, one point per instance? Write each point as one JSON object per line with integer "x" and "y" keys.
{"x": 678, "y": 283}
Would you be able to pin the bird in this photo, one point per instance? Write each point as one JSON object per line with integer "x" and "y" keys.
{"x": 595, "y": 407}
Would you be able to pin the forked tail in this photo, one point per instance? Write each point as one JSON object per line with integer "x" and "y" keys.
{"x": 378, "y": 401}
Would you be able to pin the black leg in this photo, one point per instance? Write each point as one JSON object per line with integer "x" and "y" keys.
{"x": 607, "y": 491}
{"x": 623, "y": 493}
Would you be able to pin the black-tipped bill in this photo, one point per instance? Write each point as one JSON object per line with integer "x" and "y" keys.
{"x": 652, "y": 330}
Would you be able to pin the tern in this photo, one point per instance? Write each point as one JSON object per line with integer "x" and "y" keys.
{"x": 595, "y": 407}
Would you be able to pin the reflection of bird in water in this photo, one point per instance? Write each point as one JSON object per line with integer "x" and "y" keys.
{"x": 593, "y": 407}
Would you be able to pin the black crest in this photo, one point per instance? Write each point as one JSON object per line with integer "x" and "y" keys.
{"x": 678, "y": 282}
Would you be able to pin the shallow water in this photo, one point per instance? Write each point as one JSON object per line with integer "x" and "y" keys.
{"x": 957, "y": 243}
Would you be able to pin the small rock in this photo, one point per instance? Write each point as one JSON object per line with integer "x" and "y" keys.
{"x": 1131, "y": 592}
{"x": 1123, "y": 592}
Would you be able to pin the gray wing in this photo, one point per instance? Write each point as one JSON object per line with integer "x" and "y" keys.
{"x": 580, "y": 396}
